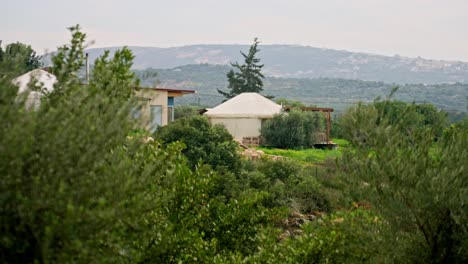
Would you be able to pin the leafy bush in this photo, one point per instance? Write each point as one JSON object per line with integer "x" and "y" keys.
{"x": 181, "y": 111}
{"x": 284, "y": 170}
{"x": 336, "y": 131}
{"x": 358, "y": 123}
{"x": 308, "y": 196}
{"x": 71, "y": 182}
{"x": 341, "y": 237}
{"x": 75, "y": 188}
{"x": 285, "y": 183}
{"x": 418, "y": 186}
{"x": 293, "y": 130}
{"x": 211, "y": 144}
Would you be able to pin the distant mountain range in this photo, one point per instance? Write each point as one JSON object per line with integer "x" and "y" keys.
{"x": 323, "y": 77}
{"x": 325, "y": 92}
{"x": 290, "y": 61}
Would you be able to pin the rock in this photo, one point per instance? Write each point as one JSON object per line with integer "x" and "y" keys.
{"x": 252, "y": 154}
{"x": 338, "y": 220}
{"x": 148, "y": 140}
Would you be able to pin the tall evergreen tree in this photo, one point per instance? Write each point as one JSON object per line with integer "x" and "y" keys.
{"x": 246, "y": 77}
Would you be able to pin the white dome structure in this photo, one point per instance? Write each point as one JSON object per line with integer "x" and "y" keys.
{"x": 243, "y": 115}
{"x": 43, "y": 79}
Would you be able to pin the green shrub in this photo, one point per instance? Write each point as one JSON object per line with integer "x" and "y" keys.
{"x": 308, "y": 196}
{"x": 292, "y": 130}
{"x": 341, "y": 237}
{"x": 418, "y": 186}
{"x": 359, "y": 122}
{"x": 71, "y": 183}
{"x": 75, "y": 188}
{"x": 211, "y": 144}
{"x": 181, "y": 111}
{"x": 236, "y": 224}
{"x": 283, "y": 169}
{"x": 336, "y": 130}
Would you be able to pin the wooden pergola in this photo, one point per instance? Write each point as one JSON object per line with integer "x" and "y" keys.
{"x": 326, "y": 112}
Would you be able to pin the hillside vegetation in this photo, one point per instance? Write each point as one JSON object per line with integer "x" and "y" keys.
{"x": 306, "y": 62}
{"x": 326, "y": 92}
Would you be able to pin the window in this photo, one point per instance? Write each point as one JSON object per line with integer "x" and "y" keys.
{"x": 170, "y": 109}
{"x": 170, "y": 101}
{"x": 170, "y": 114}
{"x": 155, "y": 117}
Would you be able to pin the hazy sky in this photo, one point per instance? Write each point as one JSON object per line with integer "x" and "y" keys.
{"x": 436, "y": 29}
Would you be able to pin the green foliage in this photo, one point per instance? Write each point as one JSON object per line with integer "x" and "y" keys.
{"x": 72, "y": 183}
{"x": 336, "y": 130}
{"x": 337, "y": 238}
{"x": 337, "y": 93}
{"x": 80, "y": 185}
{"x": 284, "y": 183}
{"x": 181, "y": 111}
{"x": 69, "y": 58}
{"x": 246, "y": 78}
{"x": 210, "y": 144}
{"x": 304, "y": 63}
{"x": 114, "y": 77}
{"x": 67, "y": 61}
{"x": 290, "y": 102}
{"x": 308, "y": 195}
{"x": 283, "y": 170}
{"x": 359, "y": 122}
{"x": 293, "y": 130}
{"x": 418, "y": 187}
{"x": 279, "y": 177}
{"x": 460, "y": 126}
{"x": 235, "y": 224}
{"x": 455, "y": 116}
{"x": 432, "y": 117}
{"x": 76, "y": 189}
{"x": 308, "y": 155}
{"x": 18, "y": 58}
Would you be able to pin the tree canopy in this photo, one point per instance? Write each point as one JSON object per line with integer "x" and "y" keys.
{"x": 418, "y": 186}
{"x": 18, "y": 58}
{"x": 247, "y": 77}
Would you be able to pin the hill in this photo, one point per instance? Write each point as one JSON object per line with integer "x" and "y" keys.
{"x": 290, "y": 61}
{"x": 327, "y": 92}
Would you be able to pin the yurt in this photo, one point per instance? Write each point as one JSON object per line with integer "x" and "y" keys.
{"x": 43, "y": 79}
{"x": 243, "y": 115}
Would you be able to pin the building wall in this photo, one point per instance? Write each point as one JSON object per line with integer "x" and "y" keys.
{"x": 148, "y": 98}
{"x": 240, "y": 127}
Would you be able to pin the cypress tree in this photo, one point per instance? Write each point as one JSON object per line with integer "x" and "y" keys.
{"x": 245, "y": 77}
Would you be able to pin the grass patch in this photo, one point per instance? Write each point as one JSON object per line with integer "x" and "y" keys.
{"x": 309, "y": 155}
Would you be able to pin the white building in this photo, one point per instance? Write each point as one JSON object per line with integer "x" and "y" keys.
{"x": 244, "y": 114}
{"x": 155, "y": 108}
{"x": 42, "y": 78}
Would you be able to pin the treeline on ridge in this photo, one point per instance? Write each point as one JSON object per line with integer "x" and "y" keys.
{"x": 327, "y": 92}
